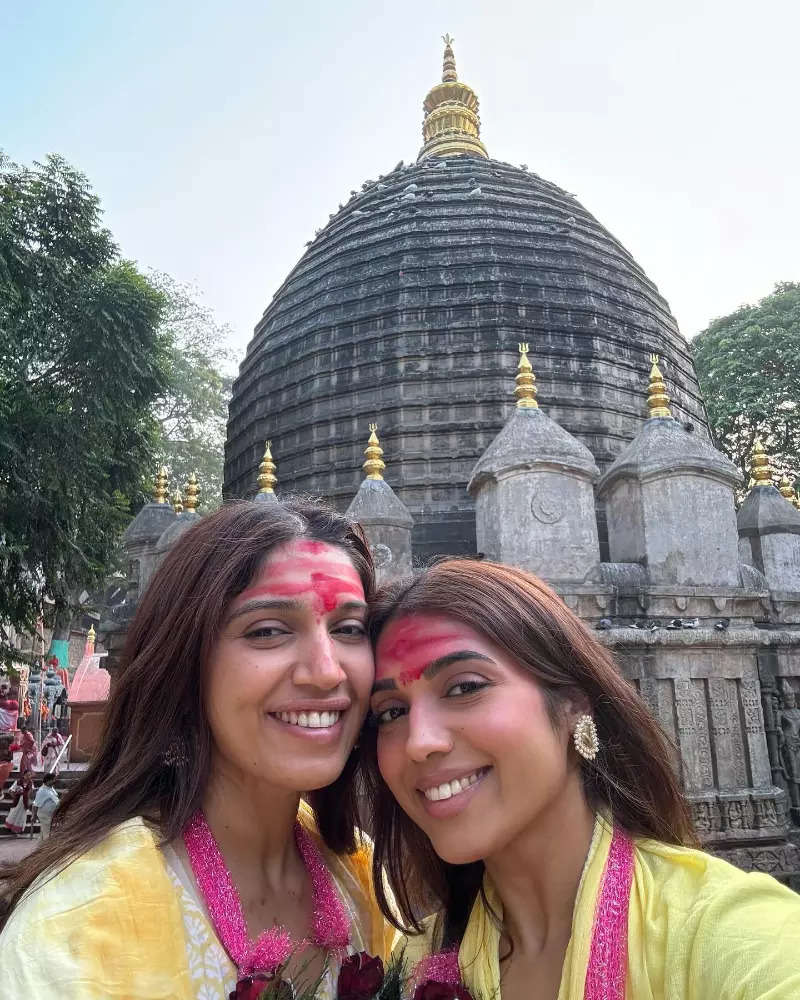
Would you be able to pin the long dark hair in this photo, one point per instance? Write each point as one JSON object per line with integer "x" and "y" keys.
{"x": 631, "y": 777}
{"x": 158, "y": 702}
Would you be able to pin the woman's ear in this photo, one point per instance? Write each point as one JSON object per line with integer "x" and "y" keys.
{"x": 576, "y": 704}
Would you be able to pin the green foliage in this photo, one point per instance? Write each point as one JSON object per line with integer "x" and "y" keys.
{"x": 82, "y": 361}
{"x": 748, "y": 365}
{"x": 192, "y": 415}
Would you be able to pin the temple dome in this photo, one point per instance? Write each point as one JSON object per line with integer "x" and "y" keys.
{"x": 407, "y": 309}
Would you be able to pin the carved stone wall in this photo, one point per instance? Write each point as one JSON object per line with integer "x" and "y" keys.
{"x": 779, "y": 670}
{"x": 714, "y": 693}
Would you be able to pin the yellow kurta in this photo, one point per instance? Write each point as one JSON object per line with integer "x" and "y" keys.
{"x": 119, "y": 923}
{"x": 698, "y": 929}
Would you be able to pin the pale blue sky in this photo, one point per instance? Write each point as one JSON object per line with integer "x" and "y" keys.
{"x": 221, "y": 135}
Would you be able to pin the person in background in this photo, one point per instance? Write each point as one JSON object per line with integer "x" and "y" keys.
{"x": 51, "y": 748}
{"x": 6, "y": 766}
{"x": 9, "y": 710}
{"x": 21, "y": 793}
{"x": 27, "y": 745}
{"x": 44, "y": 805}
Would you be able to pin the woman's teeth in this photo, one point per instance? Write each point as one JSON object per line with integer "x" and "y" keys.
{"x": 309, "y": 720}
{"x": 451, "y": 788}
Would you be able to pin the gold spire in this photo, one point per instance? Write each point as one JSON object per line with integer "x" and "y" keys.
{"x": 374, "y": 464}
{"x": 160, "y": 488}
{"x": 191, "y": 491}
{"x": 177, "y": 502}
{"x": 451, "y": 126}
{"x": 449, "y": 74}
{"x": 267, "y": 479}
{"x": 657, "y": 398}
{"x": 526, "y": 382}
{"x": 760, "y": 468}
{"x": 786, "y": 489}
{"x": 91, "y": 636}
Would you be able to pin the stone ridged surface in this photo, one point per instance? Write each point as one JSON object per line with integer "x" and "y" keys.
{"x": 407, "y": 311}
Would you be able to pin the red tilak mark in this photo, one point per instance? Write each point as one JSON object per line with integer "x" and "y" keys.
{"x": 315, "y": 548}
{"x": 409, "y": 676}
{"x": 328, "y": 588}
{"x": 324, "y": 584}
{"x": 414, "y": 644}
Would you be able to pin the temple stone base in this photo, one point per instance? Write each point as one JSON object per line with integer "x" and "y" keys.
{"x": 781, "y": 860}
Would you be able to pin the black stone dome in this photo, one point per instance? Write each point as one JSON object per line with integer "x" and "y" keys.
{"x": 407, "y": 310}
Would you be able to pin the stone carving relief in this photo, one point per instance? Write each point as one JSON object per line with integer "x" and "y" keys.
{"x": 751, "y": 706}
{"x": 788, "y": 733}
{"x": 690, "y": 713}
{"x": 546, "y": 505}
{"x": 382, "y": 555}
{"x": 766, "y": 814}
{"x": 706, "y": 817}
{"x": 726, "y": 732}
{"x": 778, "y": 861}
{"x": 736, "y": 814}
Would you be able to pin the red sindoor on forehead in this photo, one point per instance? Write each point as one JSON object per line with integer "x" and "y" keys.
{"x": 325, "y": 582}
{"x": 309, "y": 545}
{"x": 412, "y": 645}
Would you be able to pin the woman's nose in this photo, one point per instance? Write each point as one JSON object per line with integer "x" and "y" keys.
{"x": 319, "y": 664}
{"x": 427, "y": 734}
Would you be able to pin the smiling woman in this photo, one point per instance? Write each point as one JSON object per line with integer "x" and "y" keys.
{"x": 520, "y": 786}
{"x": 185, "y": 862}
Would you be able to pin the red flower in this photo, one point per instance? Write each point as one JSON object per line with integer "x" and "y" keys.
{"x": 360, "y": 977}
{"x": 252, "y": 987}
{"x": 431, "y": 990}
{"x": 249, "y": 988}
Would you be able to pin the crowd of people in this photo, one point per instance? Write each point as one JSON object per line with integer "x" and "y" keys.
{"x": 23, "y": 795}
{"x": 529, "y": 837}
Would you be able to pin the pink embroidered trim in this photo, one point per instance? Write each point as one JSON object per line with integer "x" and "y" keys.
{"x": 330, "y": 924}
{"x": 608, "y": 957}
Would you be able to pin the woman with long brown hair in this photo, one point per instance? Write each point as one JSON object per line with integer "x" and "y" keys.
{"x": 184, "y": 863}
{"x": 521, "y": 789}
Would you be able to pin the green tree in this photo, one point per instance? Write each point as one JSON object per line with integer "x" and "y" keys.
{"x": 82, "y": 361}
{"x": 192, "y": 415}
{"x": 748, "y": 365}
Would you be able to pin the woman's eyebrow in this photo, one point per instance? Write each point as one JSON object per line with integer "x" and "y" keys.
{"x": 435, "y": 666}
{"x": 286, "y": 604}
{"x": 278, "y": 604}
{"x": 431, "y": 670}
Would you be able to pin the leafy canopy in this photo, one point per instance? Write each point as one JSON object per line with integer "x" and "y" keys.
{"x": 748, "y": 365}
{"x": 82, "y": 361}
{"x": 192, "y": 414}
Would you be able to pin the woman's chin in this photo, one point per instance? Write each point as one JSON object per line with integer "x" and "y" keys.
{"x": 458, "y": 853}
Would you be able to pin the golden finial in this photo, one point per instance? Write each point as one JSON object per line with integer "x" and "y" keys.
{"x": 267, "y": 479}
{"x": 374, "y": 464}
{"x": 657, "y": 398}
{"x": 177, "y": 502}
{"x": 526, "y": 382}
{"x": 449, "y": 67}
{"x": 91, "y": 636}
{"x": 160, "y": 488}
{"x": 786, "y": 488}
{"x": 451, "y": 126}
{"x": 760, "y": 468}
{"x": 191, "y": 491}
